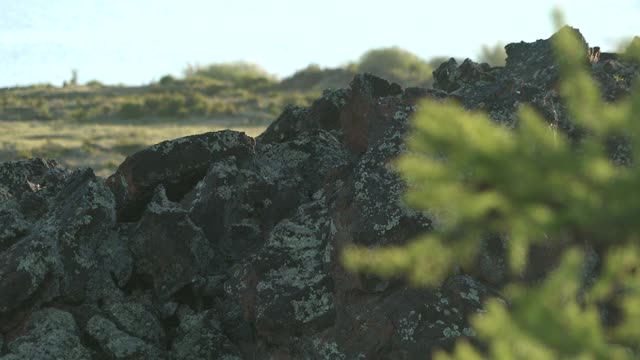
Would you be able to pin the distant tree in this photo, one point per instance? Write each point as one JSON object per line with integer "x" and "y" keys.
{"x": 493, "y": 55}
{"x": 132, "y": 109}
{"x": 397, "y": 65}
{"x": 74, "y": 77}
{"x": 315, "y": 78}
{"x": 167, "y": 80}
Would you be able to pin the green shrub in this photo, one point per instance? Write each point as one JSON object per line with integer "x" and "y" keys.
{"x": 295, "y": 98}
{"x": 95, "y": 84}
{"x": 80, "y": 114}
{"x": 206, "y": 85}
{"x": 166, "y": 105}
{"x": 132, "y": 109}
{"x": 106, "y": 109}
{"x": 242, "y": 74}
{"x": 153, "y": 103}
{"x": 222, "y": 107}
{"x": 196, "y": 104}
{"x": 43, "y": 112}
{"x": 173, "y": 105}
{"x": 397, "y": 65}
{"x": 532, "y": 185}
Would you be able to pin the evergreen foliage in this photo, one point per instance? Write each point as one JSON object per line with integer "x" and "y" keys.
{"x": 531, "y": 184}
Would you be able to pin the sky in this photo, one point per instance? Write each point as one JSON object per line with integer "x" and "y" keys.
{"x": 138, "y": 41}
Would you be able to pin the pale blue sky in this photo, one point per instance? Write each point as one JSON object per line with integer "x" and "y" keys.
{"x": 134, "y": 42}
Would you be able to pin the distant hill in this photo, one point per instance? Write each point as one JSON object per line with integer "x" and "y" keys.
{"x": 220, "y": 90}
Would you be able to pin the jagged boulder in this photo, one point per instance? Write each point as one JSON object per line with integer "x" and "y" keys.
{"x": 176, "y": 164}
{"x": 221, "y": 246}
{"x": 51, "y": 250}
{"x": 48, "y": 334}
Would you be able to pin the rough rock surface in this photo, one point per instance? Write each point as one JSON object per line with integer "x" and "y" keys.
{"x": 219, "y": 246}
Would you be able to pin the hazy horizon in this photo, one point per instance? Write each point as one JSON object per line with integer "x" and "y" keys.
{"x": 136, "y": 42}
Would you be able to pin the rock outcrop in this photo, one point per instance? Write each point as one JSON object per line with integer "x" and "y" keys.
{"x": 220, "y": 246}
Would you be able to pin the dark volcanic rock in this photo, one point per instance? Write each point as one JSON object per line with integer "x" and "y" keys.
{"x": 201, "y": 336}
{"x": 216, "y": 246}
{"x": 359, "y": 116}
{"x": 168, "y": 250}
{"x": 238, "y": 204}
{"x": 117, "y": 344}
{"x": 288, "y": 282}
{"x": 535, "y": 63}
{"x": 323, "y": 114}
{"x": 450, "y": 77}
{"x": 177, "y": 164}
{"x": 58, "y": 256}
{"x": 49, "y": 334}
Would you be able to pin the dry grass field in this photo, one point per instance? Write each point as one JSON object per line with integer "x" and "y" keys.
{"x": 101, "y": 146}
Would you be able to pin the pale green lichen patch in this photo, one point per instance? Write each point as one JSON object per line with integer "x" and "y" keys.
{"x": 379, "y": 190}
{"x": 166, "y": 147}
{"x": 286, "y": 276}
{"x": 229, "y": 357}
{"x": 36, "y": 264}
{"x": 299, "y": 111}
{"x": 317, "y": 304}
{"x": 328, "y": 250}
{"x": 293, "y": 236}
{"x": 271, "y": 164}
{"x": 136, "y": 320}
{"x": 239, "y": 274}
{"x": 225, "y": 192}
{"x": 471, "y": 295}
{"x": 407, "y": 326}
{"x": 14, "y": 222}
{"x": 281, "y": 163}
{"x": 102, "y": 198}
{"x": 84, "y": 257}
{"x": 468, "y": 331}
{"x": 160, "y": 203}
{"x": 50, "y": 334}
{"x": 116, "y": 343}
{"x": 451, "y": 331}
{"x": 297, "y": 246}
{"x": 443, "y": 299}
{"x": 213, "y": 141}
{"x": 224, "y": 169}
{"x": 337, "y": 97}
{"x": 403, "y": 113}
{"x": 219, "y": 179}
{"x": 328, "y": 350}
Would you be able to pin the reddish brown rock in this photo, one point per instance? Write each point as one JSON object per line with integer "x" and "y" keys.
{"x": 358, "y": 115}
